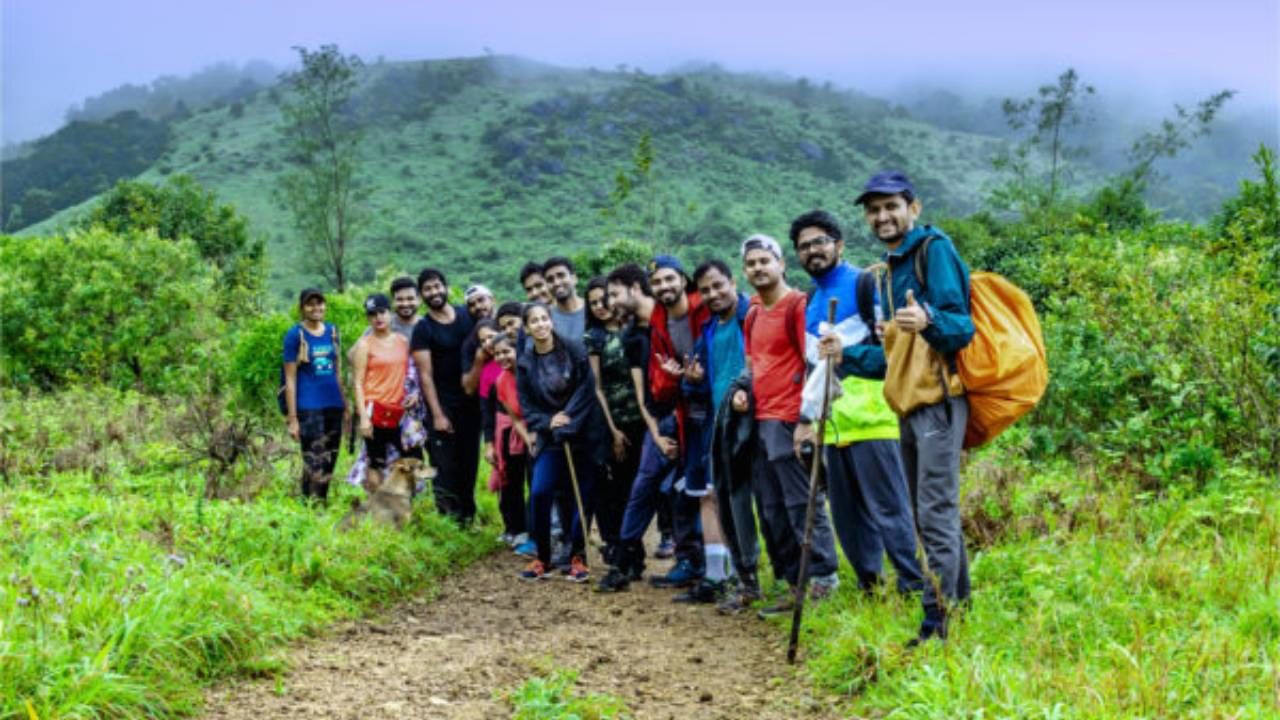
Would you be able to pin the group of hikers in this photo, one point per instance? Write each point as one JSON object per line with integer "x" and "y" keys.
{"x": 659, "y": 393}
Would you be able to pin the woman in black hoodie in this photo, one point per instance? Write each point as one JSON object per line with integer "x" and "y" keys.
{"x": 557, "y": 397}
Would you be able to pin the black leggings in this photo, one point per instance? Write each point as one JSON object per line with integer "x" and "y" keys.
{"x": 320, "y": 435}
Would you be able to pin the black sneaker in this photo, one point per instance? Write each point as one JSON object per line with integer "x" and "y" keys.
{"x": 616, "y": 580}
{"x": 682, "y": 575}
{"x": 928, "y": 630}
{"x": 666, "y": 548}
{"x": 704, "y": 593}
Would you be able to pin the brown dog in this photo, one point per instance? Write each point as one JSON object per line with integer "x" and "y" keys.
{"x": 390, "y": 500}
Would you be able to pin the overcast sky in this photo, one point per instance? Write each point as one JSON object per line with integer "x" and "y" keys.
{"x": 57, "y": 52}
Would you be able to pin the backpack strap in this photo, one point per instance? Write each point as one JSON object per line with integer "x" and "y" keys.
{"x": 865, "y": 292}
{"x": 922, "y": 262}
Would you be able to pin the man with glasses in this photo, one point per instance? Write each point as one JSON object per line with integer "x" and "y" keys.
{"x": 868, "y": 491}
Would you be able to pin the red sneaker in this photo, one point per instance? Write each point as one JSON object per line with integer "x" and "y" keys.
{"x": 578, "y": 571}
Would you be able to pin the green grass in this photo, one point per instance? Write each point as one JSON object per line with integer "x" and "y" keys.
{"x": 1096, "y": 600}
{"x": 551, "y": 697}
{"x": 124, "y": 594}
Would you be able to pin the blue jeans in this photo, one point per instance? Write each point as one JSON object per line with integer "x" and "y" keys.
{"x": 654, "y": 477}
{"x": 551, "y": 473}
{"x": 871, "y": 511}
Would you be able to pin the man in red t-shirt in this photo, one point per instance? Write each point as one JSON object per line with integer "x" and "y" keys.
{"x": 774, "y": 340}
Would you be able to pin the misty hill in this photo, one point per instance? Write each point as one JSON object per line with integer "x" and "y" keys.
{"x": 476, "y": 165}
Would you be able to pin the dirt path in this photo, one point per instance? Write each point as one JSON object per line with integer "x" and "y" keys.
{"x": 486, "y": 632}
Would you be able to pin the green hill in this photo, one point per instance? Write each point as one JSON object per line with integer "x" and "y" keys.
{"x": 476, "y": 165}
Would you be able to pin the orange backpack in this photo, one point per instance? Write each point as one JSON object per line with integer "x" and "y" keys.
{"x": 1004, "y": 368}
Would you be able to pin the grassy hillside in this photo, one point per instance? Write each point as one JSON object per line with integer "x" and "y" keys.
{"x": 476, "y": 165}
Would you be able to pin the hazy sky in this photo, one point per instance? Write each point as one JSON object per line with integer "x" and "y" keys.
{"x": 57, "y": 52}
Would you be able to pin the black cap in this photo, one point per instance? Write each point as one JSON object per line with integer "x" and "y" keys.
{"x": 375, "y": 303}
{"x": 889, "y": 182}
{"x": 309, "y": 293}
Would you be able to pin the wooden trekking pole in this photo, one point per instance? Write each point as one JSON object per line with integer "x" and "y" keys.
{"x": 577, "y": 495}
{"x": 811, "y": 511}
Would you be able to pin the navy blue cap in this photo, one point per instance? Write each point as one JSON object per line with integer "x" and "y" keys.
{"x": 307, "y": 294}
{"x": 888, "y": 182}
{"x": 375, "y": 303}
{"x": 666, "y": 261}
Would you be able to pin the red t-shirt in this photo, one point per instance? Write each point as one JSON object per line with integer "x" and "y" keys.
{"x": 775, "y": 345}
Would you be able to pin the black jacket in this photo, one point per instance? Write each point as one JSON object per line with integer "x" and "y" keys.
{"x": 582, "y": 407}
{"x": 732, "y": 439}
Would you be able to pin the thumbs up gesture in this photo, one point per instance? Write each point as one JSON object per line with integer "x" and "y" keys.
{"x": 912, "y": 317}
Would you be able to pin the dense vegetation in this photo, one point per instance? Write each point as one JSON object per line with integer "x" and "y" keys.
{"x": 1125, "y": 537}
{"x": 465, "y": 160}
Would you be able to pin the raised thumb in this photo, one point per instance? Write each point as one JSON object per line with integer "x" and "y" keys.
{"x": 911, "y": 298}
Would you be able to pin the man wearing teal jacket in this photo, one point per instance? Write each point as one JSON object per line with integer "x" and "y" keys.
{"x": 935, "y": 305}
{"x": 868, "y": 491}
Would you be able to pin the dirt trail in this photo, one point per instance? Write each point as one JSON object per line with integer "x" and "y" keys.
{"x": 486, "y": 632}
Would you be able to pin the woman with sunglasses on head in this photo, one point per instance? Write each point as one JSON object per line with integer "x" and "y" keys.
{"x": 557, "y": 396}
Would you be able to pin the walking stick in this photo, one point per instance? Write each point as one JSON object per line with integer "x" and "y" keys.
{"x": 811, "y": 510}
{"x": 577, "y": 495}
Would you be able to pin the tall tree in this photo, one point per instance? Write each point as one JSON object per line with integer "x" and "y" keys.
{"x": 322, "y": 189}
{"x": 1174, "y": 134}
{"x": 1051, "y": 112}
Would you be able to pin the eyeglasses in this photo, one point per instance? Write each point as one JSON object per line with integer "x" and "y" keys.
{"x": 812, "y": 243}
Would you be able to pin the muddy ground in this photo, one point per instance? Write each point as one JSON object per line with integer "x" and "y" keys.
{"x": 485, "y": 632}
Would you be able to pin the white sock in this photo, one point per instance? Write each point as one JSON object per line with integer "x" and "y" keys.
{"x": 717, "y": 562}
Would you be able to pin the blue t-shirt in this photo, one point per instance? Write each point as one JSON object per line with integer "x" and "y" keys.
{"x": 727, "y": 359}
{"x": 318, "y": 373}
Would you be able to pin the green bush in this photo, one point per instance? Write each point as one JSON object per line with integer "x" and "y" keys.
{"x": 126, "y": 310}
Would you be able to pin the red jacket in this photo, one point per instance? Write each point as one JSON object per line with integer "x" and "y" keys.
{"x": 664, "y": 388}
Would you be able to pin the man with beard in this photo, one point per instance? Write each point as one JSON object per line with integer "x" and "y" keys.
{"x": 454, "y": 439}
{"x": 674, "y": 322}
{"x": 869, "y": 504}
{"x": 569, "y": 313}
{"x": 932, "y": 434}
{"x": 534, "y": 284}
{"x": 718, "y": 474}
{"x": 774, "y": 336}
{"x": 479, "y": 302}
{"x": 405, "y": 300}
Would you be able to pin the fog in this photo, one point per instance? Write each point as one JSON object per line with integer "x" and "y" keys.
{"x": 1142, "y": 56}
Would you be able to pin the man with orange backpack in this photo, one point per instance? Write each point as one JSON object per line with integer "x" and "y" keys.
{"x": 929, "y": 323}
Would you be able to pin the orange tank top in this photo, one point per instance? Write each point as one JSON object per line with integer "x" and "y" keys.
{"x": 386, "y": 368}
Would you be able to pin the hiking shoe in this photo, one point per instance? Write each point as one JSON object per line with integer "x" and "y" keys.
{"x": 666, "y": 548}
{"x": 616, "y": 580}
{"x": 784, "y": 606}
{"x": 535, "y": 571}
{"x": 735, "y": 602}
{"x": 578, "y": 571}
{"x": 682, "y": 575}
{"x": 822, "y": 588}
{"x": 704, "y": 593}
{"x": 506, "y": 538}
{"x": 528, "y": 549}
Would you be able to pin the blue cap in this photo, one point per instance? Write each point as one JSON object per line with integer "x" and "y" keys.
{"x": 666, "y": 261}
{"x": 889, "y": 182}
{"x": 376, "y": 302}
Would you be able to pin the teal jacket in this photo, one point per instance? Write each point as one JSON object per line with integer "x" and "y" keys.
{"x": 945, "y": 296}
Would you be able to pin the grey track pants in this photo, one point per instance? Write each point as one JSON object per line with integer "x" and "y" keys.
{"x": 931, "y": 441}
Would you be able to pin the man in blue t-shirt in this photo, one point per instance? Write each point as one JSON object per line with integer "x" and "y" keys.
{"x": 717, "y": 363}
{"x": 315, "y": 408}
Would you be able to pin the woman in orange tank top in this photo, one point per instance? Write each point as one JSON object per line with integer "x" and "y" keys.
{"x": 380, "y": 363}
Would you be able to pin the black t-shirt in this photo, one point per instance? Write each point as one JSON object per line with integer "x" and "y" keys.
{"x": 448, "y": 358}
